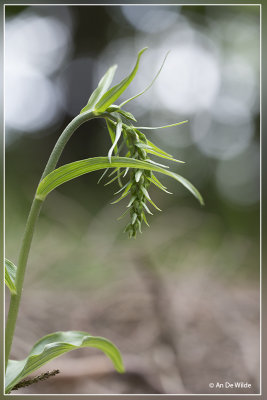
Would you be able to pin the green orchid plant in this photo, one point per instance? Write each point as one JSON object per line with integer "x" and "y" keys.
{"x": 128, "y": 162}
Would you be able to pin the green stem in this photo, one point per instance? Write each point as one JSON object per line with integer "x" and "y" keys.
{"x": 30, "y": 225}
{"x": 64, "y": 138}
{"x": 22, "y": 262}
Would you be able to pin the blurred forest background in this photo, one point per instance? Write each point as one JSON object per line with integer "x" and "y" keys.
{"x": 182, "y": 300}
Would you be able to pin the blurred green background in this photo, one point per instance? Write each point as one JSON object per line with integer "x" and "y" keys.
{"x": 182, "y": 300}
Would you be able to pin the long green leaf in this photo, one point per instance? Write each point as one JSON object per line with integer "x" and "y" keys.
{"x": 73, "y": 170}
{"x": 10, "y": 276}
{"x": 149, "y": 86}
{"x": 102, "y": 87}
{"x": 52, "y": 346}
{"x": 112, "y": 94}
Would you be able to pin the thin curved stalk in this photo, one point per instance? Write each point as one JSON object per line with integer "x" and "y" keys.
{"x": 21, "y": 267}
{"x": 30, "y": 225}
{"x": 63, "y": 140}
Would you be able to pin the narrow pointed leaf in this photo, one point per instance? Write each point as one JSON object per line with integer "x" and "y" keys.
{"x": 123, "y": 214}
{"x": 52, "y": 346}
{"x": 124, "y": 194}
{"x": 155, "y": 163}
{"x": 158, "y": 181}
{"x": 149, "y": 198}
{"x": 144, "y": 218}
{"x": 102, "y": 87}
{"x": 112, "y": 133}
{"x": 114, "y": 179}
{"x": 146, "y": 208}
{"x": 153, "y": 204}
{"x": 157, "y": 149}
{"x": 120, "y": 198}
{"x": 118, "y": 135}
{"x": 114, "y": 171}
{"x": 112, "y": 94}
{"x": 125, "y": 172}
{"x": 163, "y": 156}
{"x": 160, "y": 127}
{"x": 145, "y": 192}
{"x": 102, "y": 176}
{"x": 124, "y": 187}
{"x": 149, "y": 86}
{"x": 73, "y": 170}
{"x": 188, "y": 185}
{"x": 159, "y": 186}
{"x": 10, "y": 276}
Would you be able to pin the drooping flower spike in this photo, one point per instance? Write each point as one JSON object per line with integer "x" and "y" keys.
{"x": 121, "y": 127}
{"x": 131, "y": 155}
{"x": 136, "y": 187}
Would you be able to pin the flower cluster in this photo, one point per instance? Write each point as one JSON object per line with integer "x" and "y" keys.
{"x": 120, "y": 125}
{"x": 138, "y": 148}
{"x": 139, "y": 183}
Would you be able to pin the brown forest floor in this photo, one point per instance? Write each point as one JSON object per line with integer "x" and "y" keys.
{"x": 176, "y": 335}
